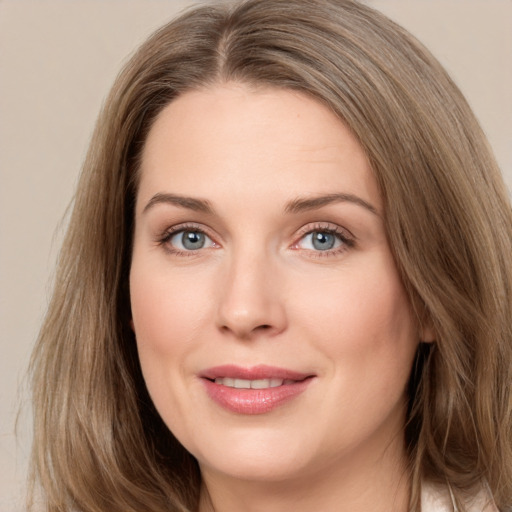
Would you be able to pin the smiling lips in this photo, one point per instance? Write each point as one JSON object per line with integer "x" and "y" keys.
{"x": 255, "y": 390}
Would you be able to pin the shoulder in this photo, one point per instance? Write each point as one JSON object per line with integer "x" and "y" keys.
{"x": 438, "y": 498}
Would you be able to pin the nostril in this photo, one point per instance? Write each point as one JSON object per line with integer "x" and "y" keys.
{"x": 247, "y": 333}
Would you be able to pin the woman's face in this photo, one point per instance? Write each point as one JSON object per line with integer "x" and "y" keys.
{"x": 274, "y": 333}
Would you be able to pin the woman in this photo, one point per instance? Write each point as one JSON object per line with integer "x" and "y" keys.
{"x": 286, "y": 280}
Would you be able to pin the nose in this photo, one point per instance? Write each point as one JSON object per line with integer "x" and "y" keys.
{"x": 251, "y": 298}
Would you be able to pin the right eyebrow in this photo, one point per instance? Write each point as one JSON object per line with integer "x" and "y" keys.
{"x": 190, "y": 203}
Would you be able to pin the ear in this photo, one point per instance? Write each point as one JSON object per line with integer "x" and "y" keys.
{"x": 132, "y": 325}
{"x": 427, "y": 331}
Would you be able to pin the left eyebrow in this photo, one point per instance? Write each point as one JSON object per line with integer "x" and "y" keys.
{"x": 313, "y": 203}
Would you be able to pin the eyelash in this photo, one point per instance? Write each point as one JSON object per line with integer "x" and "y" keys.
{"x": 347, "y": 240}
{"x": 166, "y": 237}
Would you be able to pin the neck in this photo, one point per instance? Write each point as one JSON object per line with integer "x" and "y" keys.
{"x": 356, "y": 484}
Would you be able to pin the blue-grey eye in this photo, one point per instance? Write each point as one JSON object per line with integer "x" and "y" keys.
{"x": 190, "y": 240}
{"x": 320, "y": 241}
{"x": 323, "y": 241}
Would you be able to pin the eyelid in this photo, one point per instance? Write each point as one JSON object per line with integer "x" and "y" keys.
{"x": 325, "y": 226}
{"x": 347, "y": 238}
{"x": 164, "y": 237}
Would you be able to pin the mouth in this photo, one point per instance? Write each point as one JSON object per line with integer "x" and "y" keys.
{"x": 255, "y": 390}
{"x": 252, "y": 384}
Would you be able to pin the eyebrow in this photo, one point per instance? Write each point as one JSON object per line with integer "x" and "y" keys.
{"x": 198, "y": 205}
{"x": 305, "y": 204}
{"x": 296, "y": 206}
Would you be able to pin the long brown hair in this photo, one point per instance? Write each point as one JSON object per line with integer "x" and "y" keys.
{"x": 99, "y": 444}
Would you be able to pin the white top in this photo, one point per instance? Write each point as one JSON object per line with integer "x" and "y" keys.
{"x": 435, "y": 498}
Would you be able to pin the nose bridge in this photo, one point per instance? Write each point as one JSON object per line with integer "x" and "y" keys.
{"x": 250, "y": 299}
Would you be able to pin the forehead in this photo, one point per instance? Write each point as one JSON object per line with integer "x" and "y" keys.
{"x": 248, "y": 139}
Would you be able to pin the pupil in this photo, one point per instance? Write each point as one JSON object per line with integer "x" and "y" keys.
{"x": 323, "y": 241}
{"x": 193, "y": 240}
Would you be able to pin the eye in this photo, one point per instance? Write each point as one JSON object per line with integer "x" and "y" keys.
{"x": 189, "y": 240}
{"x": 328, "y": 240}
{"x": 320, "y": 241}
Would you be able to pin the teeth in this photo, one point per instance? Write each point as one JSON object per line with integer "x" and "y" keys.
{"x": 251, "y": 384}
{"x": 242, "y": 384}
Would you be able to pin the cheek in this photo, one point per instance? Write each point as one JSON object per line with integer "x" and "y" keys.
{"x": 168, "y": 313}
{"x": 168, "y": 310}
{"x": 363, "y": 315}
{"x": 363, "y": 326}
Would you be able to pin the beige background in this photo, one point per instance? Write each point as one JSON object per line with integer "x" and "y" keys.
{"x": 57, "y": 60}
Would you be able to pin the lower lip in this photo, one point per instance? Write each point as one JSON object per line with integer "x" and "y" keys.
{"x": 254, "y": 401}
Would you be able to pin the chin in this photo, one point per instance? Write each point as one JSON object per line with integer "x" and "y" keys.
{"x": 257, "y": 456}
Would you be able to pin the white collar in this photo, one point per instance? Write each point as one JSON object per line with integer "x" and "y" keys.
{"x": 439, "y": 498}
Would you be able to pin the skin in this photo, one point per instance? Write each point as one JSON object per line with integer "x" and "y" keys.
{"x": 260, "y": 292}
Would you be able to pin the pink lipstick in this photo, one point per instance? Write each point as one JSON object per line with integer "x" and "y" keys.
{"x": 255, "y": 390}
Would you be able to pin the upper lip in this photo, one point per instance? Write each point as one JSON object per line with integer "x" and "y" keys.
{"x": 261, "y": 371}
